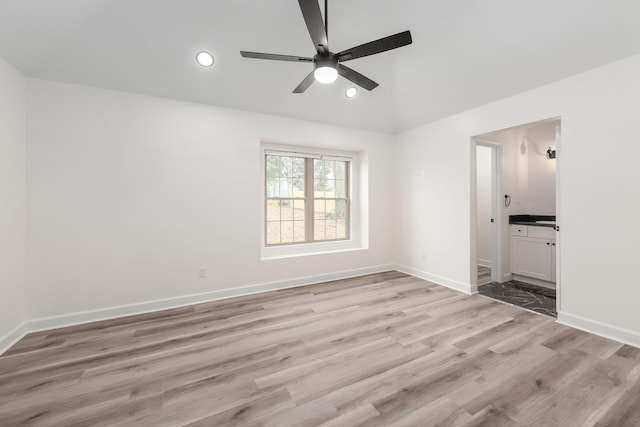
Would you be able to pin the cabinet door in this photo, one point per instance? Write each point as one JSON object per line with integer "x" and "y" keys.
{"x": 531, "y": 257}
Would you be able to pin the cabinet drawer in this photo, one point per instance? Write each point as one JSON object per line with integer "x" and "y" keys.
{"x": 542, "y": 233}
{"x": 519, "y": 230}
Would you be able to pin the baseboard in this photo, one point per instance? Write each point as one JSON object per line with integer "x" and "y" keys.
{"x": 439, "y": 280}
{"x": 602, "y": 329}
{"x": 13, "y": 336}
{"x": 46, "y": 323}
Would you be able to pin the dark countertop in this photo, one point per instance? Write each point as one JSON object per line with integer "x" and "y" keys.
{"x": 533, "y": 220}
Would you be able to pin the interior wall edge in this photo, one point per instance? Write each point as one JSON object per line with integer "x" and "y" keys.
{"x": 13, "y": 175}
{"x": 604, "y": 330}
{"x": 71, "y": 319}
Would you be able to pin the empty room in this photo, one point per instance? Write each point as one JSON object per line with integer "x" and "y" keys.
{"x": 319, "y": 213}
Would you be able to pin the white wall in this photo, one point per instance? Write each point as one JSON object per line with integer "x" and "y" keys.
{"x": 483, "y": 206}
{"x": 598, "y": 247}
{"x": 129, "y": 195}
{"x": 541, "y": 170}
{"x": 528, "y": 176}
{"x": 12, "y": 200}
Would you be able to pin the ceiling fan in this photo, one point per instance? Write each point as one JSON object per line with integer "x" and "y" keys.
{"x": 327, "y": 65}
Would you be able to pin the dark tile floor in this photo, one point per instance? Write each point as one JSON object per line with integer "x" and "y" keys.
{"x": 535, "y": 298}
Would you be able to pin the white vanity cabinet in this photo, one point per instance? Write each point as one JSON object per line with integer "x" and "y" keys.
{"x": 533, "y": 252}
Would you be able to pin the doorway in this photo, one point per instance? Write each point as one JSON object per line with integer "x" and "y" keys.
{"x": 515, "y": 215}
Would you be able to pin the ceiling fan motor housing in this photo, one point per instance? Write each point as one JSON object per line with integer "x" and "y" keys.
{"x": 329, "y": 60}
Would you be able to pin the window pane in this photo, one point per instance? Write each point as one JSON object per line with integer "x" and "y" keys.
{"x": 272, "y": 187}
{"x": 319, "y": 209}
{"x": 340, "y": 170}
{"x": 341, "y": 188}
{"x": 298, "y": 167}
{"x": 286, "y": 232}
{"x": 330, "y": 232}
{"x": 330, "y": 188}
{"x": 285, "y": 187}
{"x": 319, "y": 230}
{"x": 273, "y": 166}
{"x": 320, "y": 177}
{"x": 286, "y": 166}
{"x": 273, "y": 210}
{"x": 341, "y": 209}
{"x": 286, "y": 210}
{"x": 299, "y": 231}
{"x": 330, "y": 209}
{"x": 273, "y": 233}
{"x": 341, "y": 229}
{"x": 318, "y": 187}
{"x": 297, "y": 187}
{"x": 298, "y": 210}
{"x": 285, "y": 221}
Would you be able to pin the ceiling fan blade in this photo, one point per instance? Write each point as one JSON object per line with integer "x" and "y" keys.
{"x": 356, "y": 77}
{"x": 275, "y": 57}
{"x": 377, "y": 46}
{"x": 313, "y": 18}
{"x": 304, "y": 85}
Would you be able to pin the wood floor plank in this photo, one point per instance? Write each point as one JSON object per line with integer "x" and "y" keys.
{"x": 359, "y": 416}
{"x": 376, "y": 350}
{"x": 441, "y": 412}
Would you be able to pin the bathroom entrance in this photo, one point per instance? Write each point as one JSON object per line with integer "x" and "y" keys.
{"x": 515, "y": 216}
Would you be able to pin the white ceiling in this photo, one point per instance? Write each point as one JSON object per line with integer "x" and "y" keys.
{"x": 465, "y": 52}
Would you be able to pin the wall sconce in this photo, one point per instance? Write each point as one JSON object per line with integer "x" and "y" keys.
{"x": 551, "y": 154}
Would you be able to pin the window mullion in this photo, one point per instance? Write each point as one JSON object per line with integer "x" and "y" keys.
{"x": 347, "y": 190}
{"x": 309, "y": 199}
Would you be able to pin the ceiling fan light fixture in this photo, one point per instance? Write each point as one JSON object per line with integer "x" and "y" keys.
{"x": 204, "y": 58}
{"x": 325, "y": 75}
{"x": 326, "y": 70}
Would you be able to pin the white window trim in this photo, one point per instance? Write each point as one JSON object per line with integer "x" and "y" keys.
{"x": 354, "y": 243}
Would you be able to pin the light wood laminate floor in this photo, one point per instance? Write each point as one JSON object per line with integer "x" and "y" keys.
{"x": 484, "y": 275}
{"x": 385, "y": 349}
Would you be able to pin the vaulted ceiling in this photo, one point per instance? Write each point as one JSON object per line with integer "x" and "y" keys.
{"x": 465, "y": 53}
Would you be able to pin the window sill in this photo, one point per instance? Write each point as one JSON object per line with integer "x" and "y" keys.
{"x": 293, "y": 251}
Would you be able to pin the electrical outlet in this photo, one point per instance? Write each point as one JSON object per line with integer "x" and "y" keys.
{"x": 202, "y": 272}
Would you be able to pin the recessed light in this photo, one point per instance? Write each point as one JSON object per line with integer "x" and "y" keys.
{"x": 204, "y": 58}
{"x": 351, "y": 92}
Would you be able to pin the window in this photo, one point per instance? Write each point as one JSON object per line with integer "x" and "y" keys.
{"x": 306, "y": 198}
